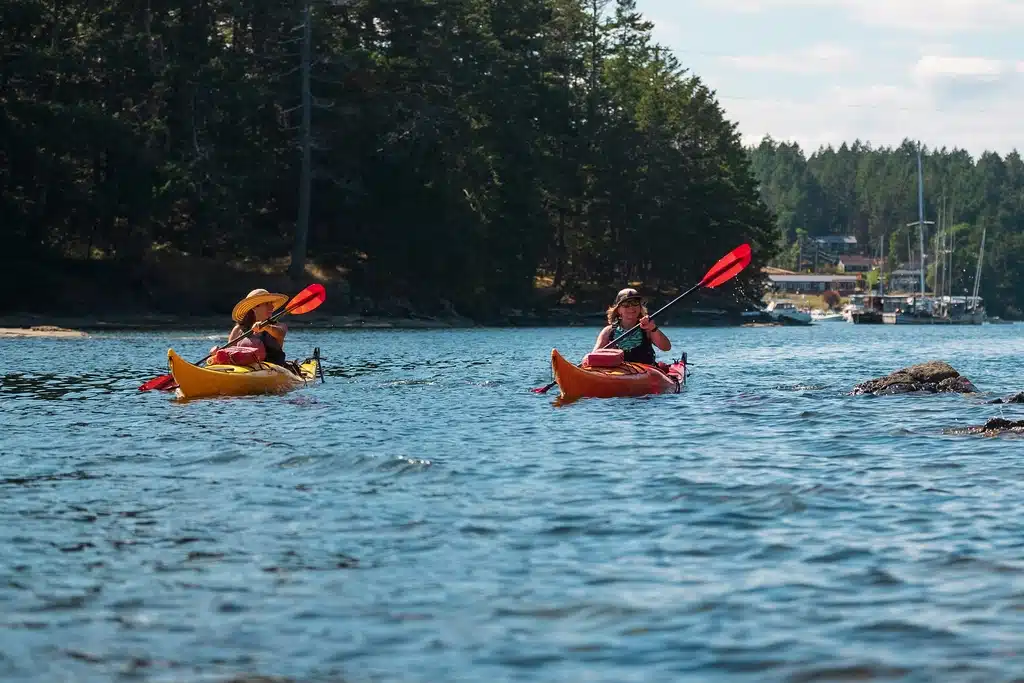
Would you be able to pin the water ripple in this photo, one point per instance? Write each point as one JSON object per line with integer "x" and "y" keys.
{"x": 421, "y": 516}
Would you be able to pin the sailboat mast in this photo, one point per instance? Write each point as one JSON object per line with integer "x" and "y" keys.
{"x": 977, "y": 273}
{"x": 920, "y": 215}
{"x": 938, "y": 247}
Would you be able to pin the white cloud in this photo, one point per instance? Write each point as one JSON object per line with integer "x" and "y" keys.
{"x": 926, "y": 16}
{"x": 882, "y": 115}
{"x": 876, "y": 96}
{"x": 666, "y": 31}
{"x": 932, "y": 67}
{"x": 822, "y": 58}
{"x": 962, "y": 79}
{"x": 945, "y": 100}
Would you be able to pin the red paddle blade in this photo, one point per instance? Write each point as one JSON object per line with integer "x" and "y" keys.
{"x": 728, "y": 267}
{"x": 158, "y": 383}
{"x": 306, "y": 300}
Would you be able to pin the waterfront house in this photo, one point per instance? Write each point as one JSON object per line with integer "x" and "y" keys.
{"x": 837, "y": 244}
{"x": 854, "y": 263}
{"x": 804, "y": 283}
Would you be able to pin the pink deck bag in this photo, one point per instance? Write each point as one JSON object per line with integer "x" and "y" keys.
{"x": 604, "y": 358}
{"x": 245, "y": 352}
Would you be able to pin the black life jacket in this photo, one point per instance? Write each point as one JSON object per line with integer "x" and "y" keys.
{"x": 275, "y": 352}
{"x": 636, "y": 346}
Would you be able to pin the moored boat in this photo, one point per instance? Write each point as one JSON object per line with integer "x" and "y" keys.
{"x": 626, "y": 379}
{"x": 820, "y": 316}
{"x": 784, "y": 310}
{"x": 195, "y": 381}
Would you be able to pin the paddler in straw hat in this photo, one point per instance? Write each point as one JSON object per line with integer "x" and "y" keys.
{"x": 267, "y": 341}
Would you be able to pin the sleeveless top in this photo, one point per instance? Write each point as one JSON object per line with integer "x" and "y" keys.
{"x": 636, "y": 347}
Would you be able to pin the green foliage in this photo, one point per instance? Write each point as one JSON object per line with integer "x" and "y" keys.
{"x": 872, "y": 277}
{"x": 871, "y": 193}
{"x": 459, "y": 147}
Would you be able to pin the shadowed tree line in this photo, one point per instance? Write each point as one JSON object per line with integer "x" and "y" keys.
{"x": 872, "y": 194}
{"x": 484, "y": 153}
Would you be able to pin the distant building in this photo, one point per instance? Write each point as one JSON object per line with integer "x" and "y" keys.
{"x": 906, "y": 278}
{"x": 837, "y": 244}
{"x": 813, "y": 284}
{"x": 852, "y": 263}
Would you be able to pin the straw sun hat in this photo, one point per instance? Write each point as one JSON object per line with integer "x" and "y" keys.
{"x": 254, "y": 299}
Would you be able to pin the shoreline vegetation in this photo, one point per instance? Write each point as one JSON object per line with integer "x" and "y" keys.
{"x": 493, "y": 162}
{"x": 456, "y": 164}
{"x": 869, "y": 194}
{"x": 38, "y": 325}
{"x": 174, "y": 292}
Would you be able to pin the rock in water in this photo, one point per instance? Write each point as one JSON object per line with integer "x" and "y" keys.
{"x": 1016, "y": 398}
{"x": 994, "y": 427}
{"x": 932, "y": 377}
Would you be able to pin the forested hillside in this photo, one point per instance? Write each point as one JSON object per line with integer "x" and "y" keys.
{"x": 871, "y": 193}
{"x": 458, "y": 150}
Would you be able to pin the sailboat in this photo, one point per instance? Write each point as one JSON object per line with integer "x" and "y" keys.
{"x": 929, "y": 311}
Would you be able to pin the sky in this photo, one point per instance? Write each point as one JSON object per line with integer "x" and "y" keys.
{"x": 949, "y": 73}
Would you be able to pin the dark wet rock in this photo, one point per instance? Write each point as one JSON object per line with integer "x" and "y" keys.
{"x": 958, "y": 384}
{"x": 1016, "y": 398}
{"x": 931, "y": 377}
{"x": 994, "y": 427}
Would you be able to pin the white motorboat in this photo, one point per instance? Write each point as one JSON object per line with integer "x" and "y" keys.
{"x": 783, "y": 308}
{"x": 820, "y": 316}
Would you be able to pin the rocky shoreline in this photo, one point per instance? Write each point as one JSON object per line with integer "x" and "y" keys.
{"x": 26, "y": 322}
{"x": 40, "y": 325}
{"x": 49, "y": 331}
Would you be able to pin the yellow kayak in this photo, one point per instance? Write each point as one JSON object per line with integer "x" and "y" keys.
{"x": 237, "y": 380}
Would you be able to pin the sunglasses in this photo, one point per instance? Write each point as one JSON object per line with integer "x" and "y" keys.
{"x": 629, "y": 304}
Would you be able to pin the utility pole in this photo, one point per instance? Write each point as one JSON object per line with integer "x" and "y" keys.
{"x": 298, "y": 266}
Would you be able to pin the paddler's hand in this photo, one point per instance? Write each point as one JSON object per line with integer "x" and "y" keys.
{"x": 647, "y": 325}
{"x": 258, "y": 327}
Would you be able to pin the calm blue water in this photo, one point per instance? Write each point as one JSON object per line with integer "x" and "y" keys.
{"x": 422, "y": 517}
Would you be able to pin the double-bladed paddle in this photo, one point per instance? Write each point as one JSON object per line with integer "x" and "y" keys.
{"x": 728, "y": 267}
{"x": 303, "y": 302}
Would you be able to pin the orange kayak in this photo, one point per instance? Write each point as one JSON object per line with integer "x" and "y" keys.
{"x": 627, "y": 379}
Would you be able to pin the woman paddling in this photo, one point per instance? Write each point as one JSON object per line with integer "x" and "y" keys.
{"x": 624, "y": 314}
{"x": 267, "y": 341}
